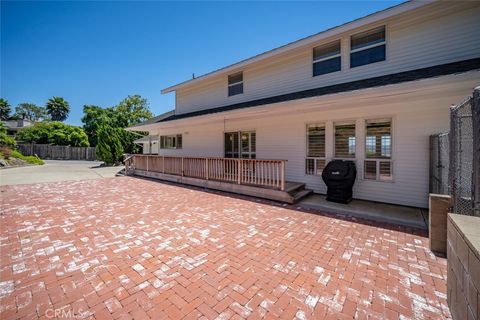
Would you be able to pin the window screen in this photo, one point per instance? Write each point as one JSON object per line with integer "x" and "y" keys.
{"x": 315, "y": 161}
{"x": 235, "y": 84}
{"x": 326, "y": 58}
{"x": 378, "y": 141}
{"x": 345, "y": 143}
{"x": 316, "y": 141}
{"x": 171, "y": 142}
{"x": 367, "y": 47}
{"x": 378, "y": 150}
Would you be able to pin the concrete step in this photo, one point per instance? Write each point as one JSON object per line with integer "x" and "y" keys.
{"x": 301, "y": 194}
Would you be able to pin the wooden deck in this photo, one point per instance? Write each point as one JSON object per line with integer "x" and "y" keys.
{"x": 253, "y": 177}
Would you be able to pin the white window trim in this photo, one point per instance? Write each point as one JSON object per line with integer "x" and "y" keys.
{"x": 384, "y": 42}
{"x": 329, "y": 57}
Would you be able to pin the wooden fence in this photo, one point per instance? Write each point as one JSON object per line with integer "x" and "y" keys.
{"x": 46, "y": 151}
{"x": 265, "y": 173}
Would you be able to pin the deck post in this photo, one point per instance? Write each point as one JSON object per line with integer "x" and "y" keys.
{"x": 163, "y": 164}
{"x": 282, "y": 176}
{"x": 182, "y": 166}
{"x": 206, "y": 168}
{"x": 147, "y": 163}
{"x": 240, "y": 164}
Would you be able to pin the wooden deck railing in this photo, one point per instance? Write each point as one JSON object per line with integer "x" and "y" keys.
{"x": 258, "y": 172}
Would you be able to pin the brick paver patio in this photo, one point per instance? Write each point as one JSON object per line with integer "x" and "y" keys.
{"x": 129, "y": 248}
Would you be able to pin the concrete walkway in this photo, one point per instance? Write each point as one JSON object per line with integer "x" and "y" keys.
{"x": 390, "y": 213}
{"x": 57, "y": 170}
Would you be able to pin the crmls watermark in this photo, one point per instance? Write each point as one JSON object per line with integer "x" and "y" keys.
{"x": 65, "y": 313}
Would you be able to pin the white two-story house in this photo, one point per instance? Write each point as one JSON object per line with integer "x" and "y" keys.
{"x": 371, "y": 90}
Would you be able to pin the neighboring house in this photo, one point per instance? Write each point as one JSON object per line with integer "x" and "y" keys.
{"x": 371, "y": 90}
{"x": 14, "y": 125}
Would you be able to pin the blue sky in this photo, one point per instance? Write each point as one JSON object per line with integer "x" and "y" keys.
{"x": 100, "y": 52}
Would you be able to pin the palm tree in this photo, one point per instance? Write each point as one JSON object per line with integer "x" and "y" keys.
{"x": 58, "y": 108}
{"x": 5, "y": 109}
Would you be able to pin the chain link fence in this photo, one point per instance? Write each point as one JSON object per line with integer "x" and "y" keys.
{"x": 439, "y": 163}
{"x": 455, "y": 157}
{"x": 462, "y": 155}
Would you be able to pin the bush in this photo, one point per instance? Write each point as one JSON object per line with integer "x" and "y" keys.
{"x": 56, "y": 133}
{"x": 5, "y": 141}
{"x": 109, "y": 147}
{"x": 6, "y": 152}
{"x": 29, "y": 159}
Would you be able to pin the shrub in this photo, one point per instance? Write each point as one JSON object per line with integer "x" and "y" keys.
{"x": 56, "y": 133}
{"x": 6, "y": 152}
{"x": 6, "y": 141}
{"x": 109, "y": 147}
{"x": 29, "y": 159}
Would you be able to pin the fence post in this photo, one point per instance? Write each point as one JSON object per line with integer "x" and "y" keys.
{"x": 182, "y": 166}
{"x": 282, "y": 175}
{"x": 476, "y": 151}
{"x": 147, "y": 163}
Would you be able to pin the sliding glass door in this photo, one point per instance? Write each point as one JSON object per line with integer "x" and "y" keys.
{"x": 240, "y": 144}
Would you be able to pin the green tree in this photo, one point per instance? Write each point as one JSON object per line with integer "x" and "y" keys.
{"x": 5, "y": 109}
{"x": 93, "y": 118}
{"x": 58, "y": 108}
{"x": 109, "y": 147}
{"x": 55, "y": 133}
{"x": 131, "y": 110}
{"x": 6, "y": 141}
{"x": 31, "y": 112}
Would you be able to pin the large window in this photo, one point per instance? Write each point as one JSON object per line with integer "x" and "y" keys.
{"x": 326, "y": 58}
{"x": 171, "y": 142}
{"x": 367, "y": 47}
{"x": 240, "y": 144}
{"x": 235, "y": 84}
{"x": 378, "y": 149}
{"x": 345, "y": 140}
{"x": 315, "y": 161}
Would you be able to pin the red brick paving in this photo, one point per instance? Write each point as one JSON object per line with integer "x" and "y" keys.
{"x": 124, "y": 248}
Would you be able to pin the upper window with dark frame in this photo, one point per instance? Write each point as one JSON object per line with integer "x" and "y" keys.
{"x": 327, "y": 58}
{"x": 235, "y": 84}
{"x": 367, "y": 47}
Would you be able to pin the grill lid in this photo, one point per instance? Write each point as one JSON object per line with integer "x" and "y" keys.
{"x": 338, "y": 170}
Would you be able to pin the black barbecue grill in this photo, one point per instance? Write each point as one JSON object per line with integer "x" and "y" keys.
{"x": 339, "y": 176}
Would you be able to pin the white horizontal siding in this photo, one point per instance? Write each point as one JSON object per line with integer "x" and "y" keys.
{"x": 445, "y": 33}
{"x": 416, "y": 113}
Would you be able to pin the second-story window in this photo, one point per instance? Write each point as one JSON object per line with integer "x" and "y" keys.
{"x": 367, "y": 47}
{"x": 235, "y": 84}
{"x": 326, "y": 58}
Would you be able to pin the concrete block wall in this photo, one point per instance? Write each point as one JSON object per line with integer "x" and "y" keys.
{"x": 463, "y": 258}
{"x": 439, "y": 205}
